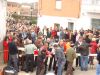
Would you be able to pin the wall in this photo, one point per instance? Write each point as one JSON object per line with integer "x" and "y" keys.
{"x": 70, "y": 8}
{"x": 2, "y": 25}
{"x": 49, "y": 21}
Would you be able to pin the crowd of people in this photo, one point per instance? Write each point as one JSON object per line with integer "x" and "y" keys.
{"x": 59, "y": 44}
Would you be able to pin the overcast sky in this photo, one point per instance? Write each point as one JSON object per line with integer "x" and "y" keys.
{"x": 23, "y": 1}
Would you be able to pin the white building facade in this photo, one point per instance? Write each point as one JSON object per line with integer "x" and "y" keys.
{"x": 2, "y": 19}
{"x": 2, "y": 26}
{"x": 90, "y": 15}
{"x": 64, "y": 22}
{"x": 65, "y": 13}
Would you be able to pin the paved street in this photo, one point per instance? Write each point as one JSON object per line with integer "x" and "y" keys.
{"x": 91, "y": 71}
{"x": 77, "y": 72}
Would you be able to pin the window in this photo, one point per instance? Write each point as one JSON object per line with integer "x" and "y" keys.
{"x": 70, "y": 25}
{"x": 87, "y": 2}
{"x": 9, "y": 4}
{"x": 95, "y": 23}
{"x": 58, "y": 4}
{"x": 14, "y": 5}
{"x": 97, "y": 2}
{"x": 56, "y": 26}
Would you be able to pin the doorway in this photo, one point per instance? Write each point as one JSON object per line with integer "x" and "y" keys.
{"x": 57, "y": 26}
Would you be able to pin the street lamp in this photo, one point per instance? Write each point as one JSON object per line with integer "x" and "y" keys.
{"x": 31, "y": 13}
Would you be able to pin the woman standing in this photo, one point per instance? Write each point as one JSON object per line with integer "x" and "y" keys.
{"x": 5, "y": 48}
{"x": 41, "y": 63}
{"x": 93, "y": 50}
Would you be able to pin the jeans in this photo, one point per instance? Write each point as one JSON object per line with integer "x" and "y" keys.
{"x": 60, "y": 68}
{"x": 84, "y": 62}
{"x": 13, "y": 60}
{"x": 98, "y": 69}
{"x": 78, "y": 61}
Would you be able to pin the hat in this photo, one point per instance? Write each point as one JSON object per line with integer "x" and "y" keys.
{"x": 55, "y": 45}
{"x": 93, "y": 39}
{"x": 28, "y": 41}
{"x": 72, "y": 44}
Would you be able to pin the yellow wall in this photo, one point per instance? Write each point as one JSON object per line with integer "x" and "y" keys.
{"x": 70, "y": 8}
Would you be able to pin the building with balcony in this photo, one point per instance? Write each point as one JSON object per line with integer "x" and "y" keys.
{"x": 29, "y": 9}
{"x": 22, "y": 9}
{"x": 90, "y": 14}
{"x": 64, "y": 13}
{"x": 12, "y": 7}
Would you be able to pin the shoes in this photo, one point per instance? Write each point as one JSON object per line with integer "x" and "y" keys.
{"x": 73, "y": 69}
{"x": 84, "y": 69}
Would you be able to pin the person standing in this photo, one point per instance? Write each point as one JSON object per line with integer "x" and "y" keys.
{"x": 93, "y": 49}
{"x": 41, "y": 62}
{"x": 84, "y": 51}
{"x": 13, "y": 54}
{"x": 66, "y": 47}
{"x": 29, "y": 51}
{"x": 98, "y": 65}
{"x": 77, "y": 45}
{"x": 5, "y": 48}
{"x": 33, "y": 36}
{"x": 60, "y": 58}
{"x": 71, "y": 55}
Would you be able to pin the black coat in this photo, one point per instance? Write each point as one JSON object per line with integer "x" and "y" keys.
{"x": 12, "y": 48}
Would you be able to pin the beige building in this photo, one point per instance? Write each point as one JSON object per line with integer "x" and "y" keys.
{"x": 12, "y": 7}
{"x": 62, "y": 12}
{"x": 23, "y": 9}
{"x": 29, "y": 9}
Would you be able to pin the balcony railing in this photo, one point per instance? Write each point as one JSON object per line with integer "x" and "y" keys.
{"x": 90, "y": 2}
{"x": 93, "y": 6}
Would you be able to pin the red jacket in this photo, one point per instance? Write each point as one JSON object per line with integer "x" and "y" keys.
{"x": 94, "y": 46}
{"x": 54, "y": 33}
{"x": 47, "y": 52}
{"x": 5, "y": 45}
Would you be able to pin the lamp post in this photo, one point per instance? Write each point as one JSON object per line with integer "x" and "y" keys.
{"x": 31, "y": 14}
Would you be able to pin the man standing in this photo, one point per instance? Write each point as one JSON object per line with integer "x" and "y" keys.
{"x": 71, "y": 55}
{"x": 41, "y": 62}
{"x": 29, "y": 51}
{"x": 60, "y": 58}
{"x": 84, "y": 51}
{"x": 13, "y": 54}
